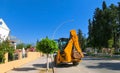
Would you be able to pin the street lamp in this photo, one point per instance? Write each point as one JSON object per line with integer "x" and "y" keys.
{"x": 60, "y": 26}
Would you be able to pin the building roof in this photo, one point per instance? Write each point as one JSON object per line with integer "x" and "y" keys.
{"x": 3, "y": 25}
{"x": 4, "y": 30}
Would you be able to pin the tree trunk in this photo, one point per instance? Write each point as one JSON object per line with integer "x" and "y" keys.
{"x": 47, "y": 62}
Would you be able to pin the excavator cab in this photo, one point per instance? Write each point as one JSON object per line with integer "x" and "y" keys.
{"x": 62, "y": 42}
{"x": 67, "y": 49}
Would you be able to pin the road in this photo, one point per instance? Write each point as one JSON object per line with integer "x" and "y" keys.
{"x": 88, "y": 65}
{"x": 91, "y": 65}
{"x": 31, "y": 67}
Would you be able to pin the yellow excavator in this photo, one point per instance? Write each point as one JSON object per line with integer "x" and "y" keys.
{"x": 68, "y": 49}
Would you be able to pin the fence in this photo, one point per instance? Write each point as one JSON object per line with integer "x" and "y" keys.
{"x": 16, "y": 63}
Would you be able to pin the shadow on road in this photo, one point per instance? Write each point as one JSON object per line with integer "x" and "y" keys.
{"x": 40, "y": 65}
{"x": 94, "y": 58}
{"x": 51, "y": 65}
{"x": 34, "y": 68}
{"x": 64, "y": 65}
{"x": 91, "y": 59}
{"x": 110, "y": 66}
{"x": 43, "y": 65}
{"x": 24, "y": 69}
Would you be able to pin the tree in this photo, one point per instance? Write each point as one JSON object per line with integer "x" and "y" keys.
{"x": 28, "y": 46}
{"x": 104, "y": 6}
{"x": 81, "y": 39}
{"x": 89, "y": 39}
{"x": 113, "y": 21}
{"x": 110, "y": 43}
{"x": 20, "y": 46}
{"x": 118, "y": 27}
{"x": 80, "y": 36}
{"x": 103, "y": 27}
{"x": 5, "y": 47}
{"x": 47, "y": 46}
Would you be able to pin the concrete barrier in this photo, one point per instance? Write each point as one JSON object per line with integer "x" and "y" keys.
{"x": 14, "y": 64}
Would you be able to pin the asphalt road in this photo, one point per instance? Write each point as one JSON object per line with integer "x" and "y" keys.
{"x": 87, "y": 65}
{"x": 91, "y": 65}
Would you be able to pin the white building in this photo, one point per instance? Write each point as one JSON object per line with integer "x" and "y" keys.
{"x": 4, "y": 30}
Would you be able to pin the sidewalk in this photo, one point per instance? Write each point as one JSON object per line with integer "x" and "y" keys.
{"x": 31, "y": 67}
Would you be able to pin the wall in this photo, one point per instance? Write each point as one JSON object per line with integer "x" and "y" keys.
{"x": 14, "y": 64}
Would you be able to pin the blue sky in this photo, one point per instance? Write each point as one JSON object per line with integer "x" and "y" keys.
{"x": 30, "y": 20}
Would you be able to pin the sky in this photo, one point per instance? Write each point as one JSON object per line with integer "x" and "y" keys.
{"x": 32, "y": 20}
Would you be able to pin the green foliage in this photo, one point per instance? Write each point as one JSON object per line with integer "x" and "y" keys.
{"x": 4, "y": 48}
{"x": 20, "y": 46}
{"x": 28, "y": 46}
{"x": 90, "y": 54}
{"x": 89, "y": 39}
{"x": 116, "y": 53}
{"x": 104, "y": 26}
{"x": 2, "y": 58}
{"x": 4, "y": 45}
{"x": 47, "y": 46}
{"x": 10, "y": 54}
{"x": 110, "y": 43}
{"x": 81, "y": 39}
{"x": 104, "y": 6}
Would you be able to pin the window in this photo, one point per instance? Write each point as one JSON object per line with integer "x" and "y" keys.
{"x": 0, "y": 23}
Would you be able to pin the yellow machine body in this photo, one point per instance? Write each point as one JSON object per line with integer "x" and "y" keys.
{"x": 66, "y": 57}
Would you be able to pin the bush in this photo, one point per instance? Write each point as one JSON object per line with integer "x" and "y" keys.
{"x": 4, "y": 48}
{"x": 2, "y": 58}
{"x": 90, "y": 54}
{"x": 116, "y": 53}
{"x": 10, "y": 54}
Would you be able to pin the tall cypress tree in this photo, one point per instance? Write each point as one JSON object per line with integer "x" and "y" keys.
{"x": 104, "y": 6}
{"x": 89, "y": 40}
{"x": 114, "y": 23}
{"x": 81, "y": 39}
{"x": 103, "y": 26}
{"x": 118, "y": 26}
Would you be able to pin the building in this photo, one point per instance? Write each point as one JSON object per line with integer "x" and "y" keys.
{"x": 4, "y": 30}
{"x": 14, "y": 41}
{"x": 5, "y": 34}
